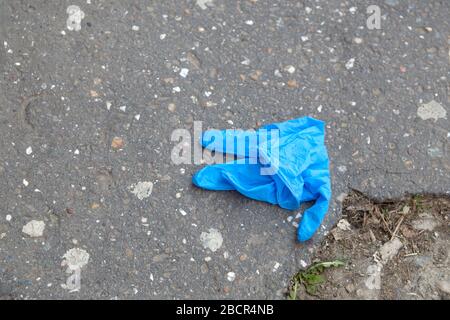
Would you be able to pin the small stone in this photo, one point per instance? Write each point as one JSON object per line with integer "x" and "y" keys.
{"x": 184, "y": 72}
{"x": 435, "y": 152}
{"x": 243, "y": 257}
{"x": 290, "y": 69}
{"x": 432, "y": 110}
{"x": 25, "y": 182}
{"x": 390, "y": 249}
{"x": 350, "y": 63}
{"x": 402, "y": 69}
{"x": 171, "y": 107}
{"x": 75, "y": 259}
{"x": 246, "y": 62}
{"x": 93, "y": 93}
{"x": 231, "y": 276}
{"x": 357, "y": 40}
{"x": 34, "y": 228}
{"x": 255, "y": 75}
{"x": 408, "y": 164}
{"x": 95, "y": 205}
{"x": 168, "y": 80}
{"x": 211, "y": 240}
{"x": 8, "y": 217}
{"x": 276, "y": 266}
{"x": 204, "y": 268}
{"x": 135, "y": 28}
{"x": 29, "y": 151}
{"x": 142, "y": 189}
{"x": 344, "y": 225}
{"x": 117, "y": 143}
{"x": 292, "y": 83}
{"x": 203, "y": 4}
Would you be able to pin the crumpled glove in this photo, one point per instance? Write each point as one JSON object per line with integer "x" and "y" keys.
{"x": 285, "y": 164}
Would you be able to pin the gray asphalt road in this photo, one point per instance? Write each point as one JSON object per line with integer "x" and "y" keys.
{"x": 90, "y": 95}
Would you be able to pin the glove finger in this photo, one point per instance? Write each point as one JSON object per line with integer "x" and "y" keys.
{"x": 312, "y": 217}
{"x": 239, "y": 142}
{"x": 244, "y": 178}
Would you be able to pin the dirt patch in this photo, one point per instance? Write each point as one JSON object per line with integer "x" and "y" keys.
{"x": 391, "y": 250}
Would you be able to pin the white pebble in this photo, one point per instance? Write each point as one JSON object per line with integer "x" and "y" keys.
{"x": 350, "y": 63}
{"x": 29, "y": 151}
{"x": 276, "y": 266}
{"x": 290, "y": 69}
{"x": 231, "y": 276}
{"x": 135, "y": 28}
{"x": 184, "y": 72}
{"x": 34, "y": 228}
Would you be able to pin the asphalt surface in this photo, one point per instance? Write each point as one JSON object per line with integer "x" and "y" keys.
{"x": 67, "y": 95}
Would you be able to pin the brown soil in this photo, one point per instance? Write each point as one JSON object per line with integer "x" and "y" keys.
{"x": 368, "y": 238}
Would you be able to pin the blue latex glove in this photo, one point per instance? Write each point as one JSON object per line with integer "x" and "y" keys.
{"x": 296, "y": 156}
